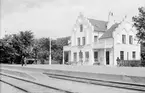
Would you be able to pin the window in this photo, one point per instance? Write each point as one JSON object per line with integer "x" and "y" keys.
{"x": 130, "y": 40}
{"x": 78, "y": 41}
{"x": 133, "y": 55}
{"x": 87, "y": 56}
{"x": 124, "y": 39}
{"x": 80, "y": 56}
{"x": 81, "y": 28}
{"x": 95, "y": 38}
{"x": 122, "y": 55}
{"x": 84, "y": 40}
{"x": 75, "y": 56}
{"x": 96, "y": 56}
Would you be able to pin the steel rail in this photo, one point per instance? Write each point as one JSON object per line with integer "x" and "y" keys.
{"x": 17, "y": 87}
{"x": 122, "y": 85}
{"x": 42, "y": 85}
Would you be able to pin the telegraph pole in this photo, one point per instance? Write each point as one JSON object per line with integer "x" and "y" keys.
{"x": 49, "y": 51}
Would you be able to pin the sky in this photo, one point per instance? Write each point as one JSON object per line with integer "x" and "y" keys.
{"x": 55, "y": 18}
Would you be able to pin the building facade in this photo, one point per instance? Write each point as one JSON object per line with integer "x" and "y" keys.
{"x": 101, "y": 42}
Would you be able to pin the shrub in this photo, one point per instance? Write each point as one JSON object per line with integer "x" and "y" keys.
{"x": 129, "y": 63}
{"x": 143, "y": 58}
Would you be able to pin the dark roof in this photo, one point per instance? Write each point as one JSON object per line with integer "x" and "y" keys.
{"x": 98, "y": 24}
{"x": 108, "y": 33}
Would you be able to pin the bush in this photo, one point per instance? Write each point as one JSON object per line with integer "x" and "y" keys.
{"x": 143, "y": 58}
{"x": 42, "y": 61}
{"x": 129, "y": 63}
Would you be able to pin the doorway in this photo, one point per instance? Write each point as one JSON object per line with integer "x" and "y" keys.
{"x": 66, "y": 56}
{"x": 96, "y": 56}
{"x": 107, "y": 58}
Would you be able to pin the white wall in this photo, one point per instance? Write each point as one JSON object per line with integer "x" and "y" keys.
{"x": 84, "y": 49}
{"x": 87, "y": 31}
{"x": 115, "y": 44}
{"x": 125, "y": 29}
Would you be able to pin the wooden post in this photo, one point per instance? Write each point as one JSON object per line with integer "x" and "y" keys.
{"x": 63, "y": 58}
{"x": 50, "y": 52}
{"x": 105, "y": 53}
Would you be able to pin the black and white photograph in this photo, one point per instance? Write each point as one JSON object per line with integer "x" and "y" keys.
{"x": 72, "y": 46}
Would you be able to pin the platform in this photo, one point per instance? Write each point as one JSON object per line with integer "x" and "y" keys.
{"x": 118, "y": 74}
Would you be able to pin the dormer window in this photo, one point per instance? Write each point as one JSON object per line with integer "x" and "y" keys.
{"x": 130, "y": 39}
{"x": 79, "y": 43}
{"x": 84, "y": 40}
{"x": 81, "y": 28}
{"x": 124, "y": 39}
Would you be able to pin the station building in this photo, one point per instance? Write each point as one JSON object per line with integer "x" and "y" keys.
{"x": 101, "y": 42}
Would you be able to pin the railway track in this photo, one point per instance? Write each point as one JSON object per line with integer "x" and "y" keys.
{"x": 121, "y": 85}
{"x": 30, "y": 86}
{"x": 113, "y": 84}
{"x": 17, "y": 87}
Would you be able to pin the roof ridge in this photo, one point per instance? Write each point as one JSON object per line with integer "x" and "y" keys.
{"x": 96, "y": 19}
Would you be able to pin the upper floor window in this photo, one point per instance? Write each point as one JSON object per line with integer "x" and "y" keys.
{"x": 81, "y": 28}
{"x": 84, "y": 40}
{"x": 133, "y": 55}
{"x": 124, "y": 39}
{"x": 79, "y": 41}
{"x": 95, "y": 38}
{"x": 130, "y": 39}
{"x": 122, "y": 55}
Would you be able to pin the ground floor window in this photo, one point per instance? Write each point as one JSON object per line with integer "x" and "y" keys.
{"x": 133, "y": 54}
{"x": 122, "y": 55}
{"x": 80, "y": 56}
{"x": 75, "y": 56}
{"x": 87, "y": 56}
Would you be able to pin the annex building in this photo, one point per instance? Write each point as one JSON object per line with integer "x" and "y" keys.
{"x": 101, "y": 42}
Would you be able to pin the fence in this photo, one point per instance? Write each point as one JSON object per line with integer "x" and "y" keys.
{"x": 129, "y": 63}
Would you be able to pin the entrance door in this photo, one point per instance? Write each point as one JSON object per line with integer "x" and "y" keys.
{"x": 107, "y": 58}
{"x": 95, "y": 56}
{"x": 66, "y": 56}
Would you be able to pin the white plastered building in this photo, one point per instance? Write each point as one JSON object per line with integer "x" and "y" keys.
{"x": 96, "y": 41}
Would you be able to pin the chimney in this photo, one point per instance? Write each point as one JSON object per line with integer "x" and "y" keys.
{"x": 111, "y": 20}
{"x": 81, "y": 14}
{"x": 124, "y": 18}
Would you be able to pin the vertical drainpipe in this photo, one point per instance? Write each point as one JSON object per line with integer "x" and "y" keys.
{"x": 104, "y": 52}
{"x": 63, "y": 57}
{"x": 50, "y": 51}
{"x": 113, "y": 52}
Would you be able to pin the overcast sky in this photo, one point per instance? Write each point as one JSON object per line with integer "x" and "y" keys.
{"x": 55, "y": 18}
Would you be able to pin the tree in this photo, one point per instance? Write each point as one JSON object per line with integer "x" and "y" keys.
{"x": 22, "y": 43}
{"x": 139, "y": 23}
{"x": 60, "y": 42}
{"x": 12, "y": 47}
{"x": 35, "y": 50}
{"x": 7, "y": 52}
{"x": 42, "y": 47}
